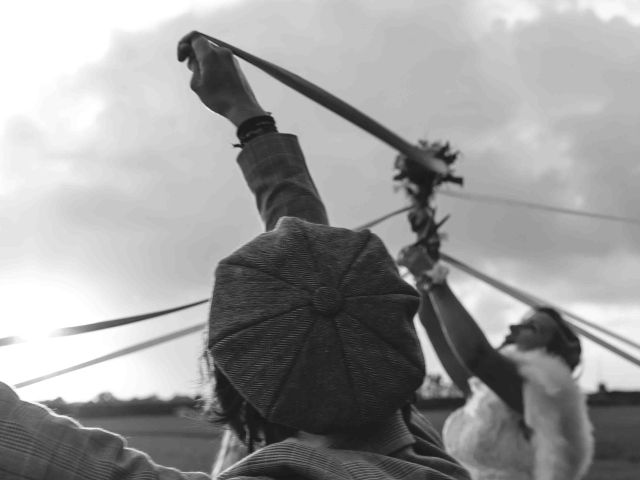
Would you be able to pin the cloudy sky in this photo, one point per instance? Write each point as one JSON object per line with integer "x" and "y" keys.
{"x": 119, "y": 191}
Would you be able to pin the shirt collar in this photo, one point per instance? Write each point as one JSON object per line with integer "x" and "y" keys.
{"x": 389, "y": 436}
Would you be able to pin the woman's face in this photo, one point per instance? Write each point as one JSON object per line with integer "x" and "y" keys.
{"x": 535, "y": 330}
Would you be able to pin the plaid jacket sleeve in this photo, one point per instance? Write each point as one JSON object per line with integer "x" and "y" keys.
{"x": 275, "y": 170}
{"x": 37, "y": 444}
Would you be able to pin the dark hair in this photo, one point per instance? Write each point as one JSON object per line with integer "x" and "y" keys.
{"x": 564, "y": 343}
{"x": 231, "y": 409}
{"x": 225, "y": 406}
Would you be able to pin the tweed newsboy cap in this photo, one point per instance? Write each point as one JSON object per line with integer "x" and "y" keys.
{"x": 314, "y": 327}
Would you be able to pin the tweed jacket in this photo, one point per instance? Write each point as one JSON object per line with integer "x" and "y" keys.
{"x": 276, "y": 172}
{"x": 37, "y": 444}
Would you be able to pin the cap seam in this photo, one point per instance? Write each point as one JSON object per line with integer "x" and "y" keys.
{"x": 310, "y": 250}
{"x": 253, "y": 323}
{"x": 346, "y": 364}
{"x": 355, "y": 258}
{"x": 278, "y": 389}
{"x": 380, "y": 337}
{"x": 267, "y": 274}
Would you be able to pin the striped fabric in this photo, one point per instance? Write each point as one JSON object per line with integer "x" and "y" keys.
{"x": 394, "y": 450}
{"x": 36, "y": 444}
{"x": 274, "y": 168}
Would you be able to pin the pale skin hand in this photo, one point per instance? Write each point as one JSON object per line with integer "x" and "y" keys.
{"x": 218, "y": 80}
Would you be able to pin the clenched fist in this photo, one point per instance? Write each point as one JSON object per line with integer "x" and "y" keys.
{"x": 218, "y": 80}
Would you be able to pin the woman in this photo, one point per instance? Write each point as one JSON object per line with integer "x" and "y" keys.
{"x": 525, "y": 417}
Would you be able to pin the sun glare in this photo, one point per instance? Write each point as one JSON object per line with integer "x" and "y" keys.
{"x": 62, "y": 44}
{"x": 33, "y": 307}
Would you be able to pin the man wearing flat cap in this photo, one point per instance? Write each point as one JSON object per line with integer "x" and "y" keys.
{"x": 311, "y": 339}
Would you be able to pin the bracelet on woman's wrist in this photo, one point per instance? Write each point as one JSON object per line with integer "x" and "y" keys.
{"x": 254, "y": 127}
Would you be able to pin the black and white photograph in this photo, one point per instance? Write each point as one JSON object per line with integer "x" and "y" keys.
{"x": 320, "y": 240}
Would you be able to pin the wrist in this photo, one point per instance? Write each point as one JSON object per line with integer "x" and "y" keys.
{"x": 239, "y": 115}
{"x": 434, "y": 277}
{"x": 416, "y": 259}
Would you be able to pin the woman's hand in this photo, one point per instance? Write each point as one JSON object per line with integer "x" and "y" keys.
{"x": 425, "y": 269}
{"x": 416, "y": 259}
{"x": 218, "y": 80}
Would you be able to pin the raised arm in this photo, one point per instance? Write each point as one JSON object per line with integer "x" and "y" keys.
{"x": 272, "y": 163}
{"x": 418, "y": 262}
{"x": 454, "y": 367}
{"x": 275, "y": 170}
{"x": 467, "y": 343}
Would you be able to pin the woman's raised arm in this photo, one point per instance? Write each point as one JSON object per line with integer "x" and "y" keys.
{"x": 467, "y": 343}
{"x": 454, "y": 367}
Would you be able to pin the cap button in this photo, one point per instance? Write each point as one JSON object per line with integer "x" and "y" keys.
{"x": 326, "y": 301}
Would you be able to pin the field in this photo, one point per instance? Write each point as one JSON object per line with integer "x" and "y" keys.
{"x": 190, "y": 445}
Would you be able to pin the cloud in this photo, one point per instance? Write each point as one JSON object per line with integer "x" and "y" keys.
{"x": 126, "y": 181}
{"x": 566, "y": 142}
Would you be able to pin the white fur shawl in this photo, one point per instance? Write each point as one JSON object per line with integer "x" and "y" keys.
{"x": 556, "y": 411}
{"x": 486, "y": 436}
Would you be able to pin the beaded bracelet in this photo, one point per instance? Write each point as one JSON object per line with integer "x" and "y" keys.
{"x": 254, "y": 127}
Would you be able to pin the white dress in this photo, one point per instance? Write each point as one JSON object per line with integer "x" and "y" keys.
{"x": 488, "y": 437}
